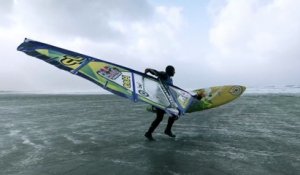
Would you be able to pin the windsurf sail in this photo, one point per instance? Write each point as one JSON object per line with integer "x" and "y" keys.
{"x": 117, "y": 79}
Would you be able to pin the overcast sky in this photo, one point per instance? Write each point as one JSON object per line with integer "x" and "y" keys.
{"x": 210, "y": 43}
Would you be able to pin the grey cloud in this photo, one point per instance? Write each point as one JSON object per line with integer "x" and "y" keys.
{"x": 6, "y": 7}
{"x": 89, "y": 19}
{"x": 261, "y": 39}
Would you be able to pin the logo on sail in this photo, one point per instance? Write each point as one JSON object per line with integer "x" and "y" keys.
{"x": 109, "y": 72}
{"x": 71, "y": 61}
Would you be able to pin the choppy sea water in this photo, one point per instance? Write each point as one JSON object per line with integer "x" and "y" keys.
{"x": 103, "y": 134}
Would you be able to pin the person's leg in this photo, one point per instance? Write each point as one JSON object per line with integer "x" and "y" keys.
{"x": 159, "y": 117}
{"x": 171, "y": 121}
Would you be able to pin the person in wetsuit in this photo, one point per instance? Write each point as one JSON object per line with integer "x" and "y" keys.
{"x": 165, "y": 77}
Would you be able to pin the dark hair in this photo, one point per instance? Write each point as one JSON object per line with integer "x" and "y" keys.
{"x": 170, "y": 70}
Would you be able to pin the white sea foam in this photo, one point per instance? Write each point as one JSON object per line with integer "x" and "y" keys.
{"x": 27, "y": 141}
{"x": 8, "y": 151}
{"x": 9, "y": 125}
{"x": 14, "y": 132}
{"x": 287, "y": 89}
{"x": 72, "y": 139}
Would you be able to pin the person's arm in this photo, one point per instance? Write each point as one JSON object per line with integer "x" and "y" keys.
{"x": 152, "y": 71}
{"x": 199, "y": 95}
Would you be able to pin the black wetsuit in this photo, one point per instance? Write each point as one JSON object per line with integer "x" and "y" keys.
{"x": 165, "y": 78}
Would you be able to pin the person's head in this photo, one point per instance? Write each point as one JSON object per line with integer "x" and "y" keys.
{"x": 170, "y": 70}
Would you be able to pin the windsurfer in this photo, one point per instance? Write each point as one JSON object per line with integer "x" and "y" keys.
{"x": 165, "y": 77}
